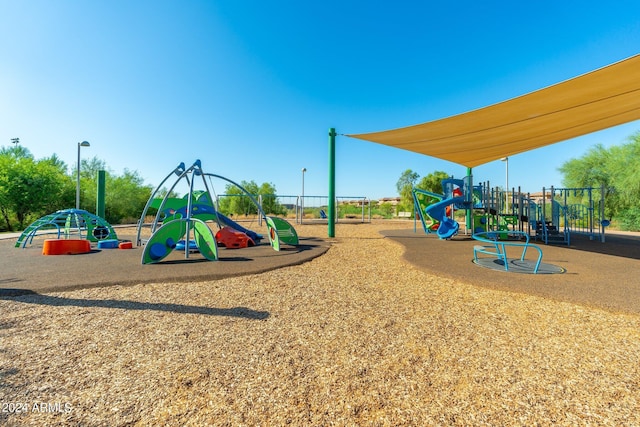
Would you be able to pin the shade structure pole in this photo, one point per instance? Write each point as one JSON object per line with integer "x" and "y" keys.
{"x": 80, "y": 144}
{"x": 100, "y": 193}
{"x": 469, "y": 204}
{"x": 302, "y": 197}
{"x": 331, "y": 228}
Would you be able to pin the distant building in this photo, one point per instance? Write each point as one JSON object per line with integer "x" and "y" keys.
{"x": 394, "y": 201}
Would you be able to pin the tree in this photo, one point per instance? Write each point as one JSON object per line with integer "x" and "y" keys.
{"x": 407, "y": 180}
{"x": 270, "y": 203}
{"x": 5, "y": 206}
{"x": 591, "y": 170}
{"x": 386, "y": 209}
{"x": 624, "y": 168}
{"x": 56, "y": 162}
{"x": 404, "y": 186}
{"x": 28, "y": 187}
{"x": 126, "y": 196}
{"x": 16, "y": 152}
{"x": 617, "y": 169}
{"x": 31, "y": 188}
{"x": 53, "y": 188}
{"x": 433, "y": 182}
{"x": 65, "y": 195}
{"x": 237, "y": 202}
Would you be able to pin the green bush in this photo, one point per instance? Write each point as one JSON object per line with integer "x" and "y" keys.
{"x": 629, "y": 219}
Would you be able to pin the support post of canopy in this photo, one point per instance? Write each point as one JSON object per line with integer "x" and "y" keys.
{"x": 469, "y": 204}
{"x": 331, "y": 220}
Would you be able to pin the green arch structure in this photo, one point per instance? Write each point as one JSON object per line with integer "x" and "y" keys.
{"x": 69, "y": 223}
{"x": 166, "y": 232}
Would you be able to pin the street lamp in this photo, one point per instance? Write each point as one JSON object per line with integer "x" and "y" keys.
{"x": 80, "y": 144}
{"x": 506, "y": 197}
{"x": 302, "y": 198}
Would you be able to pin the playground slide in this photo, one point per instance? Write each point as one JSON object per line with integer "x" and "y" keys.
{"x": 177, "y": 208}
{"x": 224, "y": 220}
{"x": 448, "y": 227}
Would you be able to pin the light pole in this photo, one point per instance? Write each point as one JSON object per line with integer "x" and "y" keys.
{"x": 80, "y": 144}
{"x": 302, "y": 197}
{"x": 506, "y": 196}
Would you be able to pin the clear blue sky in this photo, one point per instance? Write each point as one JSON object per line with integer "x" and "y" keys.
{"x": 252, "y": 87}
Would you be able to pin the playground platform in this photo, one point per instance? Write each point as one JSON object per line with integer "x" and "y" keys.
{"x": 604, "y": 275}
{"x": 26, "y": 270}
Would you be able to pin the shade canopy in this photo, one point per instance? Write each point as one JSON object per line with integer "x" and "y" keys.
{"x": 601, "y": 99}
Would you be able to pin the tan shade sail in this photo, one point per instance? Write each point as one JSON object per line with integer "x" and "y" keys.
{"x": 603, "y": 98}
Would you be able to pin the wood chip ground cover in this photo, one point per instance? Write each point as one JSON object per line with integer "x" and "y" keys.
{"x": 354, "y": 337}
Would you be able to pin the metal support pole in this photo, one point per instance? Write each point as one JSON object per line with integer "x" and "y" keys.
{"x": 302, "y": 197}
{"x": 469, "y": 206}
{"x": 602, "y": 201}
{"x": 506, "y": 195}
{"x": 331, "y": 204}
{"x": 101, "y": 191}
{"x": 80, "y": 144}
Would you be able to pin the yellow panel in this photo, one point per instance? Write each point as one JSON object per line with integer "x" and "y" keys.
{"x": 603, "y": 98}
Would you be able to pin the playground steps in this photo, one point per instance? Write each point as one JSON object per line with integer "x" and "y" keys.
{"x": 550, "y": 234}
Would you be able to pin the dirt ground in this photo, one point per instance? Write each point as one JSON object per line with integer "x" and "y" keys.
{"x": 369, "y": 333}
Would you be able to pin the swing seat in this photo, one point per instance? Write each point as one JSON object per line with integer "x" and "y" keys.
{"x": 231, "y": 238}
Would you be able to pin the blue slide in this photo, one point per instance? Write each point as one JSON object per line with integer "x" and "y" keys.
{"x": 448, "y": 227}
{"x": 231, "y": 223}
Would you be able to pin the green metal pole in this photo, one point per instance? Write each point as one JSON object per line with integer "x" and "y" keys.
{"x": 470, "y": 200}
{"x": 332, "y": 184}
{"x": 100, "y": 194}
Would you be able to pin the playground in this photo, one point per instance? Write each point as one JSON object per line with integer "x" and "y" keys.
{"x": 580, "y": 267}
{"x": 276, "y": 333}
{"x": 588, "y": 271}
{"x": 598, "y": 275}
{"x": 27, "y": 269}
{"x": 389, "y": 327}
{"x": 355, "y": 335}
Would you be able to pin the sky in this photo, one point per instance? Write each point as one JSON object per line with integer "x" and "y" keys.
{"x": 251, "y": 88}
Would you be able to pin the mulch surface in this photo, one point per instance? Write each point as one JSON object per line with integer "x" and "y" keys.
{"x": 26, "y": 270}
{"x": 358, "y": 336}
{"x": 604, "y": 275}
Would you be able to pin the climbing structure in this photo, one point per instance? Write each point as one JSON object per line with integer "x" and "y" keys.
{"x": 67, "y": 224}
{"x": 175, "y": 220}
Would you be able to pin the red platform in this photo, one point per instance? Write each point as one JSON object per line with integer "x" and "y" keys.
{"x": 65, "y": 246}
{"x": 125, "y": 245}
{"x": 231, "y": 238}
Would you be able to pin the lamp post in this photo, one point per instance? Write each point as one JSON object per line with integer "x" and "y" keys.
{"x": 506, "y": 197}
{"x": 80, "y": 144}
{"x": 302, "y": 197}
